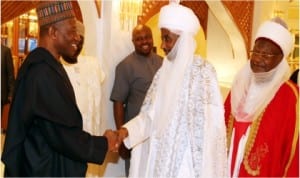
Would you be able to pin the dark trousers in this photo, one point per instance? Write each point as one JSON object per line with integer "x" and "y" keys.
{"x": 127, "y": 166}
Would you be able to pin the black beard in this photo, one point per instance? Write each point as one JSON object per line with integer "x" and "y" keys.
{"x": 70, "y": 60}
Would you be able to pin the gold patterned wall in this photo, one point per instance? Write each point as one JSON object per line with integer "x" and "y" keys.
{"x": 241, "y": 11}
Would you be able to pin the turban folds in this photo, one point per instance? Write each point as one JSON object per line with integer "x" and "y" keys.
{"x": 278, "y": 34}
{"x": 177, "y": 17}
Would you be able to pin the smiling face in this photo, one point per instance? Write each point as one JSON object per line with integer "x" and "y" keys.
{"x": 142, "y": 40}
{"x": 266, "y": 55}
{"x": 73, "y": 59}
{"x": 168, "y": 40}
{"x": 67, "y": 37}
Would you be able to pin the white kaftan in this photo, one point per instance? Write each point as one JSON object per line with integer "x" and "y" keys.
{"x": 86, "y": 77}
{"x": 194, "y": 143}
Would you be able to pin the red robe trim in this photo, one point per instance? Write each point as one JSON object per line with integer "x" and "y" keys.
{"x": 272, "y": 148}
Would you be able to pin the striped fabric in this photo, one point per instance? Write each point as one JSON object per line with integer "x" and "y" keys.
{"x": 54, "y": 11}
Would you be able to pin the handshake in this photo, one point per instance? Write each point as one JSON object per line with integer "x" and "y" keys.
{"x": 115, "y": 138}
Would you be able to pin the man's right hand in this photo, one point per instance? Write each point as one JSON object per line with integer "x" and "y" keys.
{"x": 112, "y": 139}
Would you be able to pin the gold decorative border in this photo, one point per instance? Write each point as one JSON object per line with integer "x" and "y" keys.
{"x": 296, "y": 136}
{"x": 249, "y": 144}
{"x": 229, "y": 130}
{"x": 250, "y": 141}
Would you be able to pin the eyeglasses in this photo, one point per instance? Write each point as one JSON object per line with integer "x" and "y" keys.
{"x": 263, "y": 55}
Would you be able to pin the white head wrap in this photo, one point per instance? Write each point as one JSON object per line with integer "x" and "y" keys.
{"x": 277, "y": 33}
{"x": 177, "y": 17}
{"x": 182, "y": 21}
{"x": 252, "y": 92}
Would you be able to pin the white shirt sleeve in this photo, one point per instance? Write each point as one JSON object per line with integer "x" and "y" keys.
{"x": 138, "y": 130}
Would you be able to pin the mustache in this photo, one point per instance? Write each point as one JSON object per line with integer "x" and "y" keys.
{"x": 255, "y": 64}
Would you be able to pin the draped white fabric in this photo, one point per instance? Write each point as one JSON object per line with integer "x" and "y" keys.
{"x": 258, "y": 89}
{"x": 252, "y": 92}
{"x": 193, "y": 142}
{"x": 86, "y": 77}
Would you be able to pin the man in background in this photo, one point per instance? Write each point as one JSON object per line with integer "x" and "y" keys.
{"x": 133, "y": 77}
{"x": 86, "y": 76}
{"x": 7, "y": 82}
{"x": 7, "y": 76}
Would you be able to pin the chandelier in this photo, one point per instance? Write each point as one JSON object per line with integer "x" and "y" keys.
{"x": 129, "y": 12}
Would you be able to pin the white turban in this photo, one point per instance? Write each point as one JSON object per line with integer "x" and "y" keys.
{"x": 177, "y": 17}
{"x": 244, "y": 106}
{"x": 278, "y": 34}
{"x": 182, "y": 21}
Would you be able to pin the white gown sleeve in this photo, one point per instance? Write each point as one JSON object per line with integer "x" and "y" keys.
{"x": 140, "y": 127}
{"x": 138, "y": 130}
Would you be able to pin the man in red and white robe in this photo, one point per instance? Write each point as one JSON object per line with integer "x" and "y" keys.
{"x": 261, "y": 111}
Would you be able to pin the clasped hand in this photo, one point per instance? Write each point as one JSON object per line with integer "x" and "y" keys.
{"x": 115, "y": 138}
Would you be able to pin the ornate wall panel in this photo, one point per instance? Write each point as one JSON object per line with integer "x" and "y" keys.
{"x": 242, "y": 13}
{"x": 150, "y": 8}
{"x": 201, "y": 10}
{"x": 12, "y": 9}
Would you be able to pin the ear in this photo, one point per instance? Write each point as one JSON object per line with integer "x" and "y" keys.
{"x": 52, "y": 32}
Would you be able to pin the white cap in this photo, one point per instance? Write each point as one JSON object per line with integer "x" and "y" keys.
{"x": 177, "y": 17}
{"x": 277, "y": 33}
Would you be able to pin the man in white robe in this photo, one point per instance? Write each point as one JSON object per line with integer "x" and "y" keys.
{"x": 86, "y": 75}
{"x": 180, "y": 131}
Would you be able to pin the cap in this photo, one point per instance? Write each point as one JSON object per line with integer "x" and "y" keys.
{"x": 50, "y": 12}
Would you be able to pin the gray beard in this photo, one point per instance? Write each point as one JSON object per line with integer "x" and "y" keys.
{"x": 264, "y": 77}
